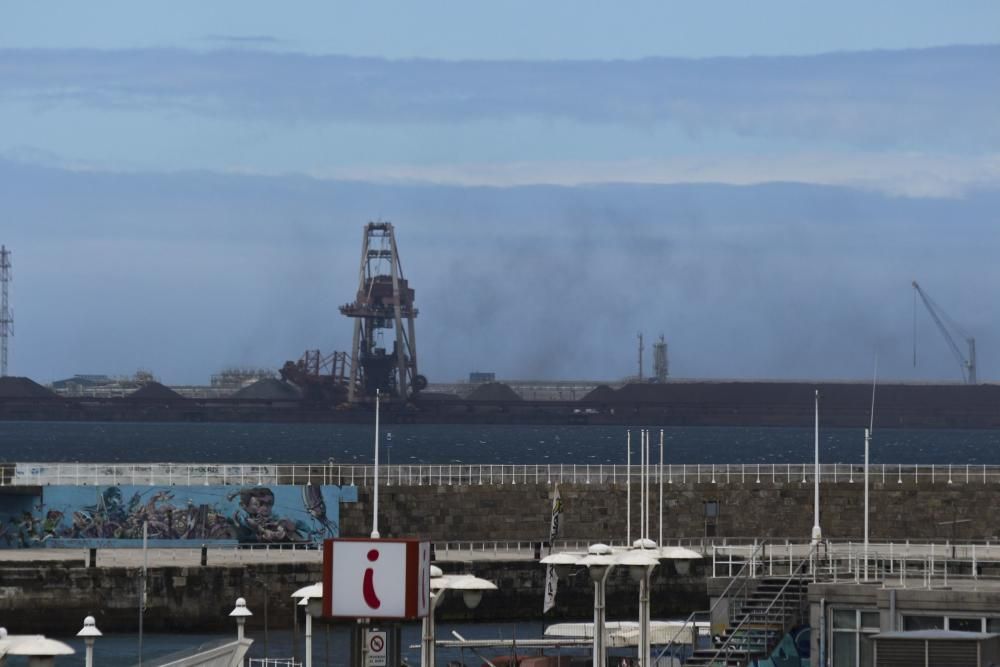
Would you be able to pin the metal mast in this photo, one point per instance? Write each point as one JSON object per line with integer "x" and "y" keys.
{"x": 640, "y": 356}
{"x": 384, "y": 300}
{"x": 661, "y": 367}
{"x": 6, "y": 318}
{"x": 968, "y": 366}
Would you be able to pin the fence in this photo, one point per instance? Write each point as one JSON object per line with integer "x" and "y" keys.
{"x": 906, "y": 564}
{"x": 104, "y": 474}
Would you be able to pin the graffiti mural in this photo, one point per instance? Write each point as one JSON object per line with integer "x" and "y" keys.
{"x": 175, "y": 515}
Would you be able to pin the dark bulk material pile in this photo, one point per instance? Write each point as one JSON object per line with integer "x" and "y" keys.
{"x": 494, "y": 391}
{"x": 600, "y": 394}
{"x": 20, "y": 387}
{"x": 270, "y": 389}
{"x": 428, "y": 396}
{"x": 154, "y": 391}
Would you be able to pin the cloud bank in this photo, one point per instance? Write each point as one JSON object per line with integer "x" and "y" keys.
{"x": 941, "y": 98}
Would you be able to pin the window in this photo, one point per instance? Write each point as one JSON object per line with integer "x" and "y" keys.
{"x": 959, "y": 623}
{"x": 852, "y": 637}
{"x": 923, "y": 622}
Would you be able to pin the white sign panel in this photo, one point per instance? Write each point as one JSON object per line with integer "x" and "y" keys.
{"x": 369, "y": 579}
{"x": 376, "y": 649}
{"x": 376, "y": 578}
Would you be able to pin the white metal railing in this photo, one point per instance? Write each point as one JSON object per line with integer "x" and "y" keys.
{"x": 903, "y": 564}
{"x": 243, "y": 474}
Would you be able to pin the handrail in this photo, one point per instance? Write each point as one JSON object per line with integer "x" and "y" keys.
{"x": 429, "y": 474}
{"x": 793, "y": 575}
{"x": 750, "y": 562}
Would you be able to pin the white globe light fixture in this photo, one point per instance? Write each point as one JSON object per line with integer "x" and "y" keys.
{"x": 680, "y": 557}
{"x": 89, "y": 634}
{"x": 40, "y": 651}
{"x": 240, "y": 613}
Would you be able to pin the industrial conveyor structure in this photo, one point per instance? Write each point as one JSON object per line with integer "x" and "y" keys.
{"x": 384, "y": 305}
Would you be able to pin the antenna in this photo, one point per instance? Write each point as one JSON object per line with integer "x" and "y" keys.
{"x": 871, "y": 416}
{"x": 6, "y": 318}
{"x": 640, "y": 356}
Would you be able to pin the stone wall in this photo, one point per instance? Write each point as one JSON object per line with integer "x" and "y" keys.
{"x": 900, "y": 510}
{"x": 54, "y": 597}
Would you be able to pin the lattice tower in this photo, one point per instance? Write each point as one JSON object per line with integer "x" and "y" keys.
{"x": 384, "y": 303}
{"x": 6, "y": 318}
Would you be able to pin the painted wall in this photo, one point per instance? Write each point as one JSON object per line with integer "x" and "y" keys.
{"x": 113, "y": 516}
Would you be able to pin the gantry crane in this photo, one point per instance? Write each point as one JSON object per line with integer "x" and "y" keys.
{"x": 967, "y": 365}
{"x": 384, "y": 303}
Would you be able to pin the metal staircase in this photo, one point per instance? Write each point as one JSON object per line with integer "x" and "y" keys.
{"x": 758, "y": 621}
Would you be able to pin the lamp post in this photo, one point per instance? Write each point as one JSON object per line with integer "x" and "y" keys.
{"x": 472, "y": 593}
{"x": 599, "y": 562}
{"x": 640, "y": 563}
{"x": 240, "y": 613}
{"x": 89, "y": 634}
{"x": 304, "y": 595}
{"x": 817, "y": 533}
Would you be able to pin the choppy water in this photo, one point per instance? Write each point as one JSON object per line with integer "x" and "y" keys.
{"x": 351, "y": 443}
{"x": 331, "y": 644}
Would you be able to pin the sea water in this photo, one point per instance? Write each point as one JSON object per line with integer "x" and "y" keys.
{"x": 331, "y": 644}
{"x": 476, "y": 444}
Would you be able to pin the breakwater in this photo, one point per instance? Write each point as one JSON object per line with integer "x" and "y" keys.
{"x": 456, "y": 512}
{"x": 906, "y": 504}
{"x": 53, "y": 596}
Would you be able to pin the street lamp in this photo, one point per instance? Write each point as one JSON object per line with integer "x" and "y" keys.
{"x": 472, "y": 592}
{"x": 640, "y": 563}
{"x": 240, "y": 613}
{"x": 40, "y": 651}
{"x": 89, "y": 634}
{"x": 304, "y": 595}
{"x": 599, "y": 562}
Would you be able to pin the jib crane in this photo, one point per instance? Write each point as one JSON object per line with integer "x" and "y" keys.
{"x": 968, "y": 365}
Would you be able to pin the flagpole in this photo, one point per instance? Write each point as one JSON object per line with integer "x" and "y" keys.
{"x": 817, "y": 534}
{"x": 628, "y": 489}
{"x": 659, "y": 473}
{"x": 375, "y": 534}
{"x": 645, "y": 504}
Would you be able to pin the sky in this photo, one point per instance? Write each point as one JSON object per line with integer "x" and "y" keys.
{"x": 186, "y": 182}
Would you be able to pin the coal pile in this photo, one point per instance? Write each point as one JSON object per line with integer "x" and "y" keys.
{"x": 493, "y": 391}
{"x": 600, "y": 394}
{"x": 436, "y": 396}
{"x": 269, "y": 389}
{"x": 154, "y": 391}
{"x": 22, "y": 387}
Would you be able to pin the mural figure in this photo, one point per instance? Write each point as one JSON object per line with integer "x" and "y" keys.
{"x": 256, "y": 522}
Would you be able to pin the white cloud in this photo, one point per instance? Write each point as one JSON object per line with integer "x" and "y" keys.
{"x": 903, "y": 174}
{"x": 940, "y": 99}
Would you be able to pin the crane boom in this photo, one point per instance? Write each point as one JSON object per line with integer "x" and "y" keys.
{"x": 967, "y": 365}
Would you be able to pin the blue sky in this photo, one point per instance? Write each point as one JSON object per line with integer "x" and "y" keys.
{"x": 136, "y": 133}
